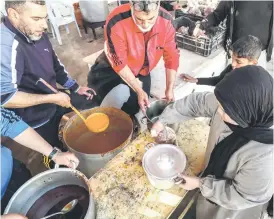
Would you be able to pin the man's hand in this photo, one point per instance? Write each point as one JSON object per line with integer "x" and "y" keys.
{"x": 190, "y": 182}
{"x": 13, "y": 216}
{"x": 61, "y": 99}
{"x": 84, "y": 91}
{"x": 156, "y": 129}
{"x": 169, "y": 95}
{"x": 143, "y": 100}
{"x": 66, "y": 158}
{"x": 188, "y": 78}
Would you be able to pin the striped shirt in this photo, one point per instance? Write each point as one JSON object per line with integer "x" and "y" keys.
{"x": 23, "y": 63}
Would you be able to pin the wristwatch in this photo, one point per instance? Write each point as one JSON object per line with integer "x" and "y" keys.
{"x": 54, "y": 151}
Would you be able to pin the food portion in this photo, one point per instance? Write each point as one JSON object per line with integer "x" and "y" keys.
{"x": 97, "y": 122}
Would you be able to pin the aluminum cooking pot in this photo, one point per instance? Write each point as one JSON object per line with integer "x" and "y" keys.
{"x": 40, "y": 185}
{"x": 152, "y": 113}
{"x": 163, "y": 164}
{"x": 90, "y": 163}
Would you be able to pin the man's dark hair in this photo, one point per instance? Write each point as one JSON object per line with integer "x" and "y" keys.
{"x": 249, "y": 47}
{"x": 18, "y": 4}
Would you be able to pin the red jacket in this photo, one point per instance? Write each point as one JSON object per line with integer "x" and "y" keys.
{"x": 125, "y": 43}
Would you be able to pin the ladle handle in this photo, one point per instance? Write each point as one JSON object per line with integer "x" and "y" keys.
{"x": 51, "y": 215}
{"x": 78, "y": 113}
{"x": 56, "y": 91}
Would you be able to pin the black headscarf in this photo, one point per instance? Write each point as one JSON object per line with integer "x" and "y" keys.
{"x": 246, "y": 95}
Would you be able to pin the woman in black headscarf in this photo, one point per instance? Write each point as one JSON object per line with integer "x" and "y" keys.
{"x": 238, "y": 180}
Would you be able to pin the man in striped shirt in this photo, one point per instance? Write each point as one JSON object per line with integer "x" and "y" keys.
{"x": 27, "y": 58}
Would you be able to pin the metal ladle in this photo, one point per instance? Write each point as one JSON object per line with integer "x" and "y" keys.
{"x": 67, "y": 208}
{"x": 89, "y": 118}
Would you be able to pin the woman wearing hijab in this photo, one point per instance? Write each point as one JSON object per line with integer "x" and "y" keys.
{"x": 238, "y": 180}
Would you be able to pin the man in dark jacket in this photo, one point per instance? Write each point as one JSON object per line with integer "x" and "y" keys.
{"x": 245, "y": 18}
{"x": 27, "y": 58}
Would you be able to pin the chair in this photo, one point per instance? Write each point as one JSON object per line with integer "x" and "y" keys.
{"x": 94, "y": 15}
{"x": 60, "y": 14}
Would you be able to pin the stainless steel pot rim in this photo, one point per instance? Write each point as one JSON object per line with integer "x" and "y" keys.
{"x": 43, "y": 174}
{"x": 173, "y": 176}
{"x": 160, "y": 178}
{"x": 152, "y": 103}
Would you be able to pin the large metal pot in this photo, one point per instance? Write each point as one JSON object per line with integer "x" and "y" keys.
{"x": 31, "y": 192}
{"x": 163, "y": 164}
{"x": 155, "y": 109}
{"x": 90, "y": 163}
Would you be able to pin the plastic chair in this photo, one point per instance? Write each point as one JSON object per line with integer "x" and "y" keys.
{"x": 60, "y": 14}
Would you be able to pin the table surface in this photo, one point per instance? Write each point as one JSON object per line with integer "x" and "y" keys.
{"x": 122, "y": 190}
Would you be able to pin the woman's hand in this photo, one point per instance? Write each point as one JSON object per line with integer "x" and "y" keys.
{"x": 190, "y": 182}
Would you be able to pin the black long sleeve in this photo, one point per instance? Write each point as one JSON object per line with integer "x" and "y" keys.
{"x": 212, "y": 81}
{"x": 217, "y": 16}
{"x": 167, "y": 5}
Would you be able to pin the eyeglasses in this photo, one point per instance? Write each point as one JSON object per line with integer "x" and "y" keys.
{"x": 145, "y": 5}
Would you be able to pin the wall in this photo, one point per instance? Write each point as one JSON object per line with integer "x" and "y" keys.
{"x": 2, "y": 7}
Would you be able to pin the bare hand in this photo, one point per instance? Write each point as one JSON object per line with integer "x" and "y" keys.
{"x": 143, "y": 100}
{"x": 84, "y": 91}
{"x": 190, "y": 182}
{"x": 61, "y": 99}
{"x": 13, "y": 216}
{"x": 188, "y": 78}
{"x": 66, "y": 158}
{"x": 169, "y": 95}
{"x": 156, "y": 129}
{"x": 197, "y": 32}
{"x": 176, "y": 6}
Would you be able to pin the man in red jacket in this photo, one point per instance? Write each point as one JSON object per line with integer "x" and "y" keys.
{"x": 137, "y": 35}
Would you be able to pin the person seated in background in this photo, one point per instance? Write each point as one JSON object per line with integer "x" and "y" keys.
{"x": 245, "y": 51}
{"x": 14, "y": 173}
{"x": 238, "y": 178}
{"x": 28, "y": 58}
{"x": 137, "y": 36}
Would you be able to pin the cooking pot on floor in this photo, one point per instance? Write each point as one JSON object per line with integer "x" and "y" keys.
{"x": 50, "y": 191}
